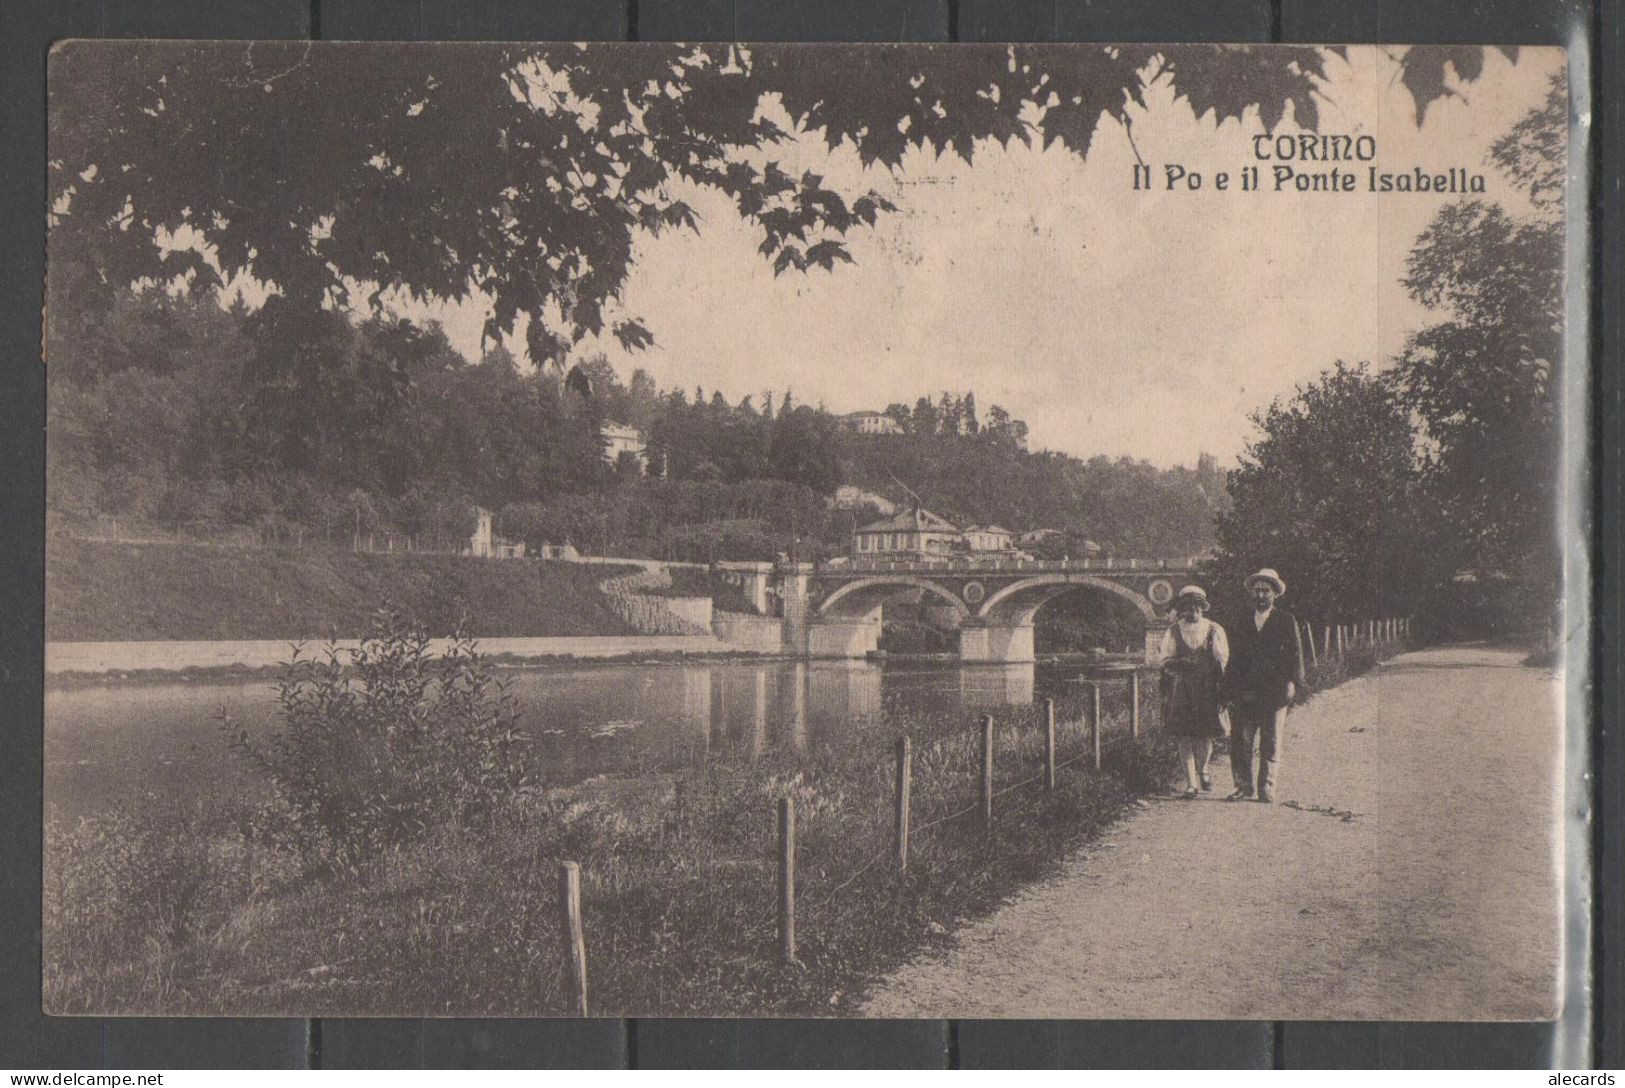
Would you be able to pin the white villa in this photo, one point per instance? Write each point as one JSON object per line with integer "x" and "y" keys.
{"x": 872, "y": 423}
{"x": 620, "y": 438}
{"x": 989, "y": 538}
{"x": 919, "y": 534}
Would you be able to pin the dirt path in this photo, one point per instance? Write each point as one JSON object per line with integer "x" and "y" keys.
{"x": 1428, "y": 892}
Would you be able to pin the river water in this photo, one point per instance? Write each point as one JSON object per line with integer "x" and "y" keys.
{"x": 161, "y": 743}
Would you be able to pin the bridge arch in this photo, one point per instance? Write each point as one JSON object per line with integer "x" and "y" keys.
{"x": 1019, "y": 602}
{"x": 863, "y": 596}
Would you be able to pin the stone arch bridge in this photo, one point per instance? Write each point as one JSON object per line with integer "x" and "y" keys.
{"x": 834, "y": 610}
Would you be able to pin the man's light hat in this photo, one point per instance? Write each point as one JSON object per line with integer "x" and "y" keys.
{"x": 1267, "y": 575}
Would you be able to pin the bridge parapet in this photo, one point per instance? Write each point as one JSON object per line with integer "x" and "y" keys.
{"x": 877, "y": 565}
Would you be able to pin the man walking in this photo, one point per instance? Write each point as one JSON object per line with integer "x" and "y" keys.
{"x": 1264, "y": 676}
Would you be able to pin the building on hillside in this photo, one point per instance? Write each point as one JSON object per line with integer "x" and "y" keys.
{"x": 479, "y": 542}
{"x": 872, "y": 423}
{"x": 989, "y": 538}
{"x": 917, "y": 533}
{"x": 484, "y": 543}
{"x": 620, "y": 438}
{"x": 914, "y": 533}
{"x": 853, "y": 497}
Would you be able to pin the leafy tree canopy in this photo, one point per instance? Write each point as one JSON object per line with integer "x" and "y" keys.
{"x": 333, "y": 173}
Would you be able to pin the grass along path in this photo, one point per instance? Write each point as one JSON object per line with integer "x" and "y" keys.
{"x": 1410, "y": 872}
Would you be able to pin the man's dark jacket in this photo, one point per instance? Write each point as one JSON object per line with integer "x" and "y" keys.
{"x": 1263, "y": 661}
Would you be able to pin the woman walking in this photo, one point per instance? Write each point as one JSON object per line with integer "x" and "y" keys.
{"x": 1194, "y": 654}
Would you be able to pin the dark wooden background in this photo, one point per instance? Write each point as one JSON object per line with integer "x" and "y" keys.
{"x": 27, "y": 1039}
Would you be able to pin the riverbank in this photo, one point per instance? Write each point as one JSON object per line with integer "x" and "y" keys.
{"x": 624, "y": 651}
{"x": 177, "y": 660}
{"x": 102, "y": 592}
{"x": 185, "y": 907}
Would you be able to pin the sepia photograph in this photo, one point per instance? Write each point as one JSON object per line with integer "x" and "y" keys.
{"x": 738, "y": 530}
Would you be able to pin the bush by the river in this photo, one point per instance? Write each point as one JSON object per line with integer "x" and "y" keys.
{"x": 383, "y": 744}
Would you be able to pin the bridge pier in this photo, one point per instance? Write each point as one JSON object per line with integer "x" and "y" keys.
{"x": 844, "y": 636}
{"x": 794, "y": 607}
{"x": 1009, "y": 644}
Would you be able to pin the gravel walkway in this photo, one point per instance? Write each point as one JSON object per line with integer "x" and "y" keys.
{"x": 1410, "y": 870}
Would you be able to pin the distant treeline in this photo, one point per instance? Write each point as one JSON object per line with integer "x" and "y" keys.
{"x": 170, "y": 412}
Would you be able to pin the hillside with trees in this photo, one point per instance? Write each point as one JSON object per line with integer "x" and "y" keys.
{"x": 160, "y": 420}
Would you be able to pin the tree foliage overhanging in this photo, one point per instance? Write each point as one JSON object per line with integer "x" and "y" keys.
{"x": 524, "y": 172}
{"x": 335, "y": 172}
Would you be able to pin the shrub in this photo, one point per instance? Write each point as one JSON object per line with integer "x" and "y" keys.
{"x": 390, "y": 746}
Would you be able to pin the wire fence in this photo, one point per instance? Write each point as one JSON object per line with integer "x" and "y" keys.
{"x": 1092, "y": 712}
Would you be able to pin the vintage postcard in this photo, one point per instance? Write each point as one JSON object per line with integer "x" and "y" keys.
{"x": 805, "y": 530}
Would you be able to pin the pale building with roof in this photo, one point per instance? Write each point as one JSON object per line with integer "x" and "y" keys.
{"x": 620, "y": 438}
{"x": 484, "y": 542}
{"x": 912, "y": 533}
{"x": 989, "y": 538}
{"x": 872, "y": 423}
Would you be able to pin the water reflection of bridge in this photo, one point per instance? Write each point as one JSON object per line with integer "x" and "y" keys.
{"x": 834, "y": 609}
{"x": 762, "y": 707}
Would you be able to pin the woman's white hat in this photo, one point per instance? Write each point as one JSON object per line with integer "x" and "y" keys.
{"x": 1266, "y": 575}
{"x": 1196, "y": 593}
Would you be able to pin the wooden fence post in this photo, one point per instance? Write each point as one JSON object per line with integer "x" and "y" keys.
{"x": 575, "y": 939}
{"x": 1094, "y": 718}
{"x": 787, "y": 880}
{"x": 1314, "y": 659}
{"x": 987, "y": 768}
{"x": 905, "y": 777}
{"x": 1049, "y": 744}
{"x": 1326, "y": 641}
{"x": 1134, "y": 705}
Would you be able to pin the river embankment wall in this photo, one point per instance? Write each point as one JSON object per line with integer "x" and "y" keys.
{"x": 122, "y": 657}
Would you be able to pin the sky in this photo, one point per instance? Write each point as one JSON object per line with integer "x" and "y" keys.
{"x": 1140, "y": 324}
